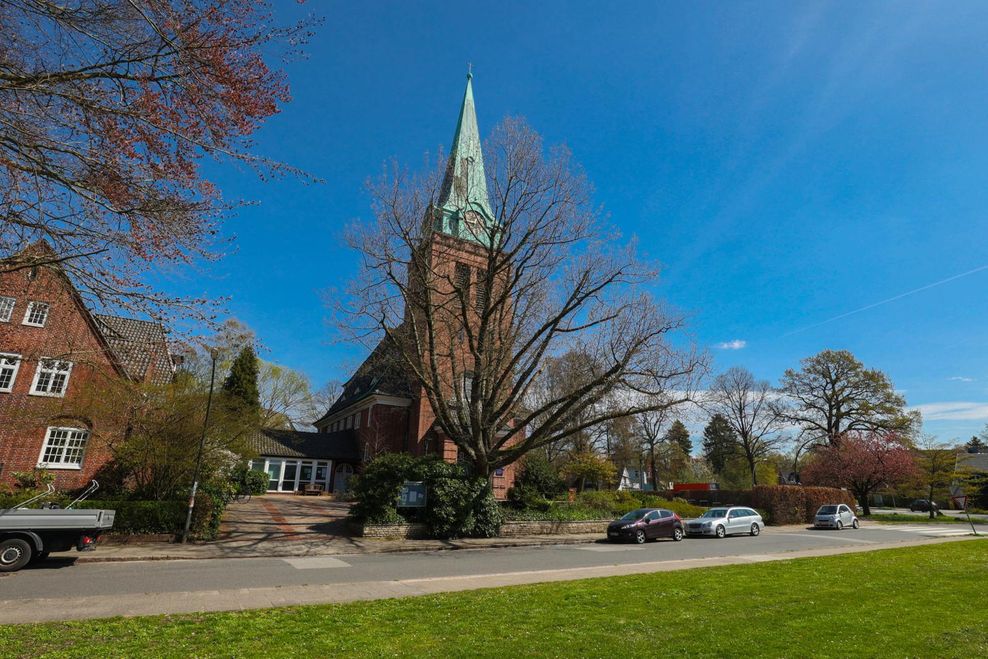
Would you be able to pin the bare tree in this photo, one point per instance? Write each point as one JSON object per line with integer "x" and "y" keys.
{"x": 650, "y": 426}
{"x": 287, "y": 398}
{"x": 107, "y": 108}
{"x": 545, "y": 277}
{"x": 751, "y": 409}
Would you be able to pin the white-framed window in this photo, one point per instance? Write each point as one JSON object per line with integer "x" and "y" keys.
{"x": 356, "y": 420}
{"x": 36, "y": 314}
{"x": 64, "y": 448}
{"x": 6, "y": 308}
{"x": 51, "y": 378}
{"x": 9, "y": 365}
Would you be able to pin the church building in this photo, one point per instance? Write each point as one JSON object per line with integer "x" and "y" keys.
{"x": 382, "y": 405}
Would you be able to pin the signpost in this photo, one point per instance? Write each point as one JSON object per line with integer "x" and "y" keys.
{"x": 413, "y": 495}
{"x": 962, "y": 502}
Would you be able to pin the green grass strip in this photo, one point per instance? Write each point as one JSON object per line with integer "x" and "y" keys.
{"x": 912, "y": 602}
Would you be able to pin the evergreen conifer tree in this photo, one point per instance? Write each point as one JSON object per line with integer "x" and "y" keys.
{"x": 678, "y": 434}
{"x": 719, "y": 442}
{"x": 241, "y": 384}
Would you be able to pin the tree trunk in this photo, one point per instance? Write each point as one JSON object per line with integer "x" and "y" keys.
{"x": 754, "y": 472}
{"x": 655, "y": 474}
{"x": 865, "y": 505}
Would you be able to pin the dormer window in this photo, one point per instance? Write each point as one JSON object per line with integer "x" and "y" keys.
{"x": 6, "y": 308}
{"x": 36, "y": 314}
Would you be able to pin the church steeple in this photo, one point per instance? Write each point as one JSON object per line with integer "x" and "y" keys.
{"x": 463, "y": 208}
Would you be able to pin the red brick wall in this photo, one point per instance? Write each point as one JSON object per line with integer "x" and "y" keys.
{"x": 67, "y": 334}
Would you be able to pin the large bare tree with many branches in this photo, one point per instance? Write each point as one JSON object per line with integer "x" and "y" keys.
{"x": 550, "y": 277}
{"x": 107, "y": 108}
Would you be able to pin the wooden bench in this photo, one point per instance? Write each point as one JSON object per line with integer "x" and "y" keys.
{"x": 313, "y": 488}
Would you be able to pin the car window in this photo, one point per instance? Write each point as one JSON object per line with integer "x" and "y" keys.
{"x": 845, "y": 509}
{"x": 665, "y": 514}
{"x": 748, "y": 512}
{"x": 652, "y": 516}
{"x": 736, "y": 513}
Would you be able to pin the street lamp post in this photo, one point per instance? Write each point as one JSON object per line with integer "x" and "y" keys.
{"x": 202, "y": 441}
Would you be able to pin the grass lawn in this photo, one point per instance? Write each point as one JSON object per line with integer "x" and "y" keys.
{"x": 920, "y": 601}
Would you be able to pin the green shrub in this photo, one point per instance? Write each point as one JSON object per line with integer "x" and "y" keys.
{"x": 255, "y": 482}
{"x": 537, "y": 482}
{"x": 487, "y": 514}
{"x": 449, "y": 506}
{"x": 378, "y": 486}
{"x": 456, "y": 504}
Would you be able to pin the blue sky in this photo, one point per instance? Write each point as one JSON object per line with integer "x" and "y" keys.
{"x": 787, "y": 163}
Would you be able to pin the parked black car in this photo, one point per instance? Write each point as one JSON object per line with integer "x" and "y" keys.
{"x": 923, "y": 505}
{"x": 646, "y": 524}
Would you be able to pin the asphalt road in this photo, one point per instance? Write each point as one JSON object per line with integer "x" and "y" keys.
{"x": 113, "y": 588}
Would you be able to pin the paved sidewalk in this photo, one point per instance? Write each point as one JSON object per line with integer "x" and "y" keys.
{"x": 311, "y": 547}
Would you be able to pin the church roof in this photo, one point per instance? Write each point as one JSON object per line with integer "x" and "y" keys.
{"x": 464, "y": 187}
{"x": 382, "y": 373}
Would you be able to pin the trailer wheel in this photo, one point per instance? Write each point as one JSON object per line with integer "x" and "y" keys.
{"x": 39, "y": 556}
{"x": 15, "y": 553}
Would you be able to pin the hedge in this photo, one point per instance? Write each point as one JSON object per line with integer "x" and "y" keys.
{"x": 148, "y": 517}
{"x": 603, "y": 504}
{"x": 796, "y": 504}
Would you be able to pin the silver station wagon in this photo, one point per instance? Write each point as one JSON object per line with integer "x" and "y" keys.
{"x": 720, "y": 522}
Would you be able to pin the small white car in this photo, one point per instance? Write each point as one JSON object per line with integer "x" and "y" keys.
{"x": 835, "y": 516}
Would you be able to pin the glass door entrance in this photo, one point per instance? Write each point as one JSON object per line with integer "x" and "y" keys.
{"x": 287, "y": 475}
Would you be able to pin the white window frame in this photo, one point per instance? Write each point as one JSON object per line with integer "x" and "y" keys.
{"x": 30, "y": 308}
{"x": 4, "y": 300}
{"x": 356, "y": 420}
{"x": 13, "y": 375}
{"x": 61, "y": 464}
{"x": 37, "y": 376}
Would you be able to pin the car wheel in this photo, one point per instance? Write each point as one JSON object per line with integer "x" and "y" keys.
{"x": 755, "y": 529}
{"x": 721, "y": 531}
{"x": 640, "y": 536}
{"x": 677, "y": 534}
{"x": 840, "y": 525}
{"x": 14, "y": 554}
{"x": 856, "y": 524}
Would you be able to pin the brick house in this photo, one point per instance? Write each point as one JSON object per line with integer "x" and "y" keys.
{"x": 54, "y": 353}
{"x": 382, "y": 405}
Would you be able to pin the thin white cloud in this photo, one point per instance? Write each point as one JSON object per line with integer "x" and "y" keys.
{"x": 961, "y": 378}
{"x": 736, "y": 344}
{"x": 954, "y": 411}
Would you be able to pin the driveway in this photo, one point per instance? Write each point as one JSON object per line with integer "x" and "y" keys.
{"x": 277, "y": 518}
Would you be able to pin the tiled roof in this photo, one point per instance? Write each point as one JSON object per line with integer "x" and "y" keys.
{"x": 972, "y": 461}
{"x": 340, "y": 445}
{"x": 139, "y": 347}
{"x": 381, "y": 373}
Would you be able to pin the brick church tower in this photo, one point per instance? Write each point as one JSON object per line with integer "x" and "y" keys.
{"x": 387, "y": 408}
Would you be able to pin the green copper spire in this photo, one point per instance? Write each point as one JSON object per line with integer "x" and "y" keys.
{"x": 464, "y": 207}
